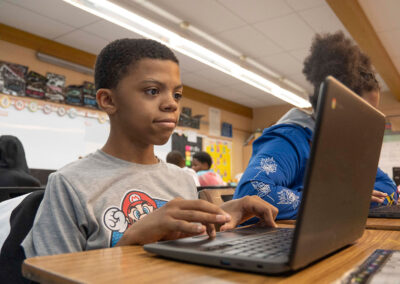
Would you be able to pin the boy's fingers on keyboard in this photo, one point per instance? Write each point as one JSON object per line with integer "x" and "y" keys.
{"x": 211, "y": 230}
{"x": 185, "y": 227}
{"x": 200, "y": 205}
{"x": 200, "y": 216}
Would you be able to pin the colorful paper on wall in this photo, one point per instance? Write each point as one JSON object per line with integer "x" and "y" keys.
{"x": 221, "y": 153}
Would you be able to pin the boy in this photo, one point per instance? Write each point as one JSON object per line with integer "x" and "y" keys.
{"x": 113, "y": 196}
{"x": 175, "y": 157}
{"x": 277, "y": 166}
{"x": 202, "y": 163}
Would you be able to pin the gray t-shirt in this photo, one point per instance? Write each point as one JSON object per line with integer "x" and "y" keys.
{"x": 89, "y": 203}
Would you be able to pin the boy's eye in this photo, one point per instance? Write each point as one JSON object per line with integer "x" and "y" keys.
{"x": 177, "y": 96}
{"x": 152, "y": 91}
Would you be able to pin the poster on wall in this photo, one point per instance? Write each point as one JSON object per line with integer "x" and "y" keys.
{"x": 187, "y": 147}
{"x": 221, "y": 154}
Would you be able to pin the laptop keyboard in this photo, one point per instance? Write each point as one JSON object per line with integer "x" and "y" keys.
{"x": 389, "y": 209}
{"x": 264, "y": 245}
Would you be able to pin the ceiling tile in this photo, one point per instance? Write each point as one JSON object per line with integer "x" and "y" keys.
{"x": 391, "y": 42}
{"x": 290, "y": 32}
{"x": 28, "y": 21}
{"x": 383, "y": 15}
{"x": 217, "y": 76}
{"x": 300, "y": 54}
{"x": 84, "y": 41}
{"x": 189, "y": 63}
{"x": 59, "y": 11}
{"x": 253, "y": 11}
{"x": 323, "y": 20}
{"x": 247, "y": 89}
{"x": 209, "y": 16}
{"x": 110, "y": 31}
{"x": 197, "y": 82}
{"x": 283, "y": 63}
{"x": 301, "y": 80}
{"x": 249, "y": 41}
{"x": 299, "y": 5}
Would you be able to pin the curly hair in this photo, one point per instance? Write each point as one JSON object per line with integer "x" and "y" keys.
{"x": 338, "y": 56}
{"x": 114, "y": 60}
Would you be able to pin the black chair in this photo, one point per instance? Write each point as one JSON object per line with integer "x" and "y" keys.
{"x": 396, "y": 175}
{"x": 11, "y": 192}
{"x": 215, "y": 187}
{"x": 12, "y": 254}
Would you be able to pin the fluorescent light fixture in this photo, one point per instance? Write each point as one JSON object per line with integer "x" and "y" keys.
{"x": 63, "y": 63}
{"x": 131, "y": 21}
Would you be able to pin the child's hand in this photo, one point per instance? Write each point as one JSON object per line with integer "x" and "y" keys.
{"x": 378, "y": 196}
{"x": 248, "y": 207}
{"x": 176, "y": 219}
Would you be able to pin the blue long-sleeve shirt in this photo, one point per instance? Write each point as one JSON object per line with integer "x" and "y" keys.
{"x": 278, "y": 164}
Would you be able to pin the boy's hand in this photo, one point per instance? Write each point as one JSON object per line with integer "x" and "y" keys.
{"x": 176, "y": 219}
{"x": 247, "y": 207}
{"x": 378, "y": 196}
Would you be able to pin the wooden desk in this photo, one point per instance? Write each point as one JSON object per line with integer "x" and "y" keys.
{"x": 383, "y": 224}
{"x": 372, "y": 223}
{"x": 132, "y": 264}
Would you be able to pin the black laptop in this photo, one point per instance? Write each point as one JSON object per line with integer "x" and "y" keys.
{"x": 337, "y": 191}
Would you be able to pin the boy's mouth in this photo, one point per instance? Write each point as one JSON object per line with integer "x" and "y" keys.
{"x": 167, "y": 123}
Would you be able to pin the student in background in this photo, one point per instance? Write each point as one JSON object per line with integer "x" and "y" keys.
{"x": 202, "y": 163}
{"x": 13, "y": 167}
{"x": 123, "y": 194}
{"x": 278, "y": 163}
{"x": 175, "y": 157}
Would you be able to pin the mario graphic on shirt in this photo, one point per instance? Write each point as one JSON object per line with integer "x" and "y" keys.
{"x": 135, "y": 206}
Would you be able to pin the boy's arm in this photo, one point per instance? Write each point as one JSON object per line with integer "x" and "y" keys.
{"x": 182, "y": 218}
{"x": 176, "y": 219}
{"x": 59, "y": 222}
{"x": 384, "y": 184}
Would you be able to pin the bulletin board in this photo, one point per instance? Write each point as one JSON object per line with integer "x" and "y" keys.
{"x": 181, "y": 143}
{"x": 221, "y": 153}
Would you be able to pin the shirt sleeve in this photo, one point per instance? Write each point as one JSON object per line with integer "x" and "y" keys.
{"x": 276, "y": 170}
{"x": 385, "y": 184}
{"x": 60, "y": 224}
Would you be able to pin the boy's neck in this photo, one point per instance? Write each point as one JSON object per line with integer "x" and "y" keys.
{"x": 131, "y": 152}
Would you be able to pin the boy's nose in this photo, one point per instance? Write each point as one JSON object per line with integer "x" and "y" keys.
{"x": 169, "y": 104}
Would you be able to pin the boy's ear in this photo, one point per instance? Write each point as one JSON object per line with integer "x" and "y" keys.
{"x": 106, "y": 100}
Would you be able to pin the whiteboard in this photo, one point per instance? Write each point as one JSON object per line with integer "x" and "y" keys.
{"x": 52, "y": 141}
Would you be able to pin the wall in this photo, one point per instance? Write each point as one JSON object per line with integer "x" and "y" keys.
{"x": 241, "y": 130}
{"x": 242, "y": 125}
{"x": 266, "y": 116}
{"x": 390, "y": 106}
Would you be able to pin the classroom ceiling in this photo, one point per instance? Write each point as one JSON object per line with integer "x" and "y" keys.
{"x": 274, "y": 33}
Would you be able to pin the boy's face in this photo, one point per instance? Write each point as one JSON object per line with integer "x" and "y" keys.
{"x": 199, "y": 166}
{"x": 147, "y": 102}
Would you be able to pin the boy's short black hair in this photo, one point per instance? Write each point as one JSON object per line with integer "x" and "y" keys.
{"x": 175, "y": 157}
{"x": 114, "y": 60}
{"x": 203, "y": 157}
{"x": 336, "y": 55}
